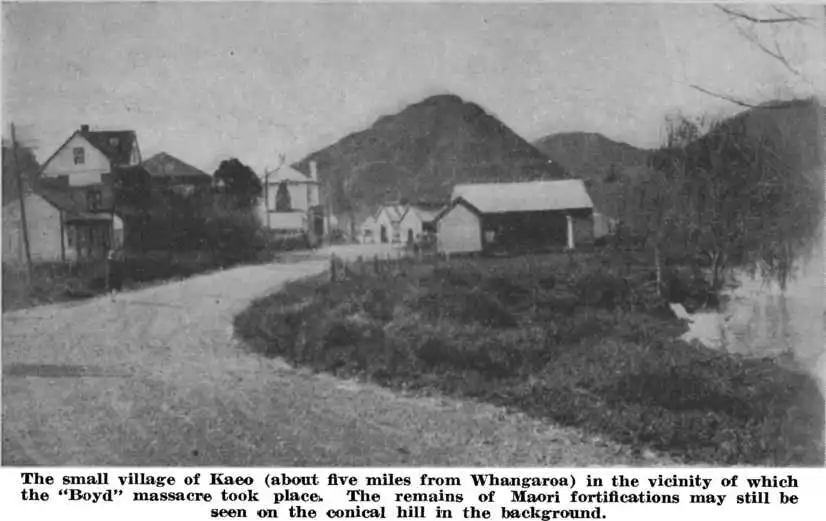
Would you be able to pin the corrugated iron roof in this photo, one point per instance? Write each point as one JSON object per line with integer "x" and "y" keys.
{"x": 534, "y": 196}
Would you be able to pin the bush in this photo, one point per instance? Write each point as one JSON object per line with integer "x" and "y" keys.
{"x": 592, "y": 351}
{"x": 600, "y": 289}
{"x": 234, "y": 236}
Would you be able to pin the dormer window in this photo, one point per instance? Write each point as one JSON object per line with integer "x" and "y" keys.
{"x": 79, "y": 155}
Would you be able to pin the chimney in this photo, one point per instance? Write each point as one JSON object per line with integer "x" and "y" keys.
{"x": 314, "y": 171}
{"x": 84, "y": 128}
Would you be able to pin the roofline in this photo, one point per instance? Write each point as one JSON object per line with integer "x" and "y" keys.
{"x": 58, "y": 149}
{"x": 79, "y": 131}
{"x": 456, "y": 202}
{"x": 176, "y": 158}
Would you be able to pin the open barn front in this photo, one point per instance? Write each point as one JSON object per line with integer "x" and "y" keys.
{"x": 525, "y": 231}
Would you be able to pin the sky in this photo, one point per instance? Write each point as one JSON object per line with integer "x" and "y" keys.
{"x": 208, "y": 81}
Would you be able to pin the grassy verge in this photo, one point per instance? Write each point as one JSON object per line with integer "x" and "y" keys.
{"x": 572, "y": 339}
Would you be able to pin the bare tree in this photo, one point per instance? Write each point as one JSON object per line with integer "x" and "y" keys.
{"x": 763, "y": 30}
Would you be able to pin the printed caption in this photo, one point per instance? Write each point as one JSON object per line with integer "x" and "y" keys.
{"x": 410, "y": 495}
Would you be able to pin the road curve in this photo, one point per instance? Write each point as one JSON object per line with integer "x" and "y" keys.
{"x": 156, "y": 378}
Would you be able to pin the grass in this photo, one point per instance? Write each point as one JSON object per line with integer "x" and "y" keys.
{"x": 57, "y": 282}
{"x": 571, "y": 339}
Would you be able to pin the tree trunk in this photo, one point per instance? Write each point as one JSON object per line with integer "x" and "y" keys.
{"x": 658, "y": 268}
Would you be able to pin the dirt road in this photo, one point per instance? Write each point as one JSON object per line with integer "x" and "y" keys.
{"x": 156, "y": 378}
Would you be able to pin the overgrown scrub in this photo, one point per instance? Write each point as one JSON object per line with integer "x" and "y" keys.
{"x": 569, "y": 338}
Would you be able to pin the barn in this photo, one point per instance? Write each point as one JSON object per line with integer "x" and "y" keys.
{"x": 516, "y": 217}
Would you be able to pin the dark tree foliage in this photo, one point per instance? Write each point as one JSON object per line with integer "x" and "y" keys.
{"x": 283, "y": 203}
{"x": 133, "y": 189}
{"x": 238, "y": 184}
{"x": 747, "y": 193}
{"x": 29, "y": 170}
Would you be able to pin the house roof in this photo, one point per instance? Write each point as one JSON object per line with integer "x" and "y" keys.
{"x": 427, "y": 212}
{"x": 73, "y": 210}
{"x": 59, "y": 199}
{"x": 290, "y": 175}
{"x": 535, "y": 196}
{"x": 164, "y": 165}
{"x": 117, "y": 145}
{"x": 394, "y": 211}
{"x": 456, "y": 202}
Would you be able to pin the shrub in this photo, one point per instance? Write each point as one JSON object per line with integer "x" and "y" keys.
{"x": 378, "y": 304}
{"x": 601, "y": 289}
{"x": 234, "y": 236}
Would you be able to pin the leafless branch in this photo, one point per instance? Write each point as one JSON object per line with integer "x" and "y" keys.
{"x": 730, "y": 99}
{"x": 724, "y": 97}
{"x": 776, "y": 54}
{"x": 789, "y": 13}
{"x": 786, "y": 18}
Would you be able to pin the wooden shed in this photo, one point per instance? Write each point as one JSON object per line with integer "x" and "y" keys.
{"x": 459, "y": 228}
{"x": 538, "y": 215}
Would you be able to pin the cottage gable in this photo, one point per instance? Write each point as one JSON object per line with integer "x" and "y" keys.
{"x": 87, "y": 154}
{"x": 79, "y": 160}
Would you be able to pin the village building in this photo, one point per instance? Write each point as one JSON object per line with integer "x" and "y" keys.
{"x": 167, "y": 173}
{"x": 509, "y": 217}
{"x": 367, "y": 230}
{"x": 418, "y": 221}
{"x": 292, "y": 202}
{"x": 59, "y": 229}
{"x": 73, "y": 213}
{"x": 88, "y": 155}
{"x": 388, "y": 220}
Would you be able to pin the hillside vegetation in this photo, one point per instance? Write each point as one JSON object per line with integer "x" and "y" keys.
{"x": 579, "y": 341}
{"x": 601, "y": 162}
{"x": 422, "y": 152}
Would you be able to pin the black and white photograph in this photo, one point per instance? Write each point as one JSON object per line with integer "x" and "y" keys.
{"x": 426, "y": 234}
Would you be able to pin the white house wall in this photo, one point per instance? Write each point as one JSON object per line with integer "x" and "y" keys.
{"x": 43, "y": 221}
{"x": 412, "y": 222}
{"x": 302, "y": 195}
{"x": 63, "y": 163}
{"x": 288, "y": 221}
{"x": 459, "y": 231}
{"x": 383, "y": 219}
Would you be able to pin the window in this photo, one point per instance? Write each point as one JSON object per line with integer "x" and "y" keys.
{"x": 80, "y": 155}
{"x": 93, "y": 200}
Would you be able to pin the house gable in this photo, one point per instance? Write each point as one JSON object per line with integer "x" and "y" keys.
{"x": 411, "y": 219}
{"x": 44, "y": 227}
{"x": 459, "y": 229}
{"x": 82, "y": 168}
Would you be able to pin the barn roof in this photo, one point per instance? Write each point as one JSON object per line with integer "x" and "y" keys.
{"x": 534, "y": 196}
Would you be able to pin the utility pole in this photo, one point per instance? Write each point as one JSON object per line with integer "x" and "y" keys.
{"x": 267, "y": 195}
{"x": 22, "y": 198}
